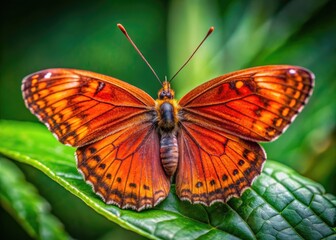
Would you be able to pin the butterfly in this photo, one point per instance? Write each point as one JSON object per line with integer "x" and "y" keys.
{"x": 131, "y": 147}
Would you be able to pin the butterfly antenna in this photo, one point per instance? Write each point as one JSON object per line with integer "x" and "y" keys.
{"x": 121, "y": 27}
{"x": 211, "y": 29}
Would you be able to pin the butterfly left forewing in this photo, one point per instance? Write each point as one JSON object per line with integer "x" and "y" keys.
{"x": 80, "y": 107}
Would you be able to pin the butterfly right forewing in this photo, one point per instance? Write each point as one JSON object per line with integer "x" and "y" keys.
{"x": 256, "y": 104}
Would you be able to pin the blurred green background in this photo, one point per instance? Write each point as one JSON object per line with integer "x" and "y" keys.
{"x": 82, "y": 34}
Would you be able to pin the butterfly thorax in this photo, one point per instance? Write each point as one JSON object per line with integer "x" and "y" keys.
{"x": 167, "y": 111}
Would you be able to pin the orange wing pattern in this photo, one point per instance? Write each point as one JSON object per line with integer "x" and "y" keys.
{"x": 125, "y": 169}
{"x": 112, "y": 123}
{"x": 255, "y": 104}
{"x": 214, "y": 167}
{"x": 81, "y": 107}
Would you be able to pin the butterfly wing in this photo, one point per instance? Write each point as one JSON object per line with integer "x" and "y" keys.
{"x": 80, "y": 107}
{"x": 213, "y": 167}
{"x": 125, "y": 169}
{"x": 112, "y": 124}
{"x": 222, "y": 120}
{"x": 257, "y": 104}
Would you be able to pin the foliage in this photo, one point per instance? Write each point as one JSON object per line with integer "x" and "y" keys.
{"x": 281, "y": 203}
{"x": 26, "y": 205}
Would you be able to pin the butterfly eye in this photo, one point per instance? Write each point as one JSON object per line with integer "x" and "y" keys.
{"x": 165, "y": 95}
{"x": 162, "y": 95}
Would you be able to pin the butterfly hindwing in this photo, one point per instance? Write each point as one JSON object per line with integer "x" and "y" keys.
{"x": 213, "y": 166}
{"x": 125, "y": 169}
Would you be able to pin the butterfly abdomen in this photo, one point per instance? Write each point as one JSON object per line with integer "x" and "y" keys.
{"x": 169, "y": 153}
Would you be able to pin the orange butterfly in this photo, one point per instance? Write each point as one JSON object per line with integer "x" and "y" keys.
{"x": 130, "y": 146}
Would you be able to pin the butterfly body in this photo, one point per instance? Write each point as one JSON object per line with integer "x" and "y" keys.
{"x": 167, "y": 123}
{"x": 129, "y": 145}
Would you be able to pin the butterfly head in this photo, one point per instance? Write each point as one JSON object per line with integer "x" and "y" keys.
{"x": 166, "y": 92}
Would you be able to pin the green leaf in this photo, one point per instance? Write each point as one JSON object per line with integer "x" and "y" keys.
{"x": 281, "y": 204}
{"x": 23, "y": 202}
